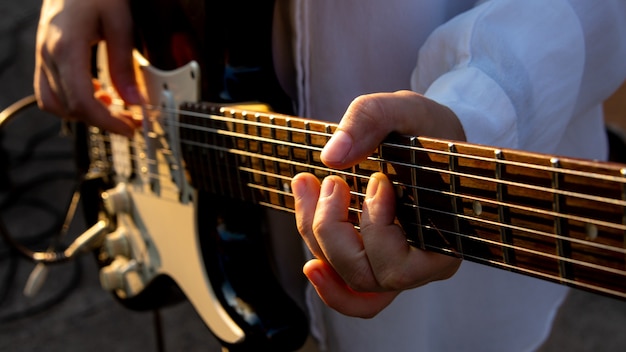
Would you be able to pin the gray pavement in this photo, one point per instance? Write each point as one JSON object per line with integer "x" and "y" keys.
{"x": 72, "y": 313}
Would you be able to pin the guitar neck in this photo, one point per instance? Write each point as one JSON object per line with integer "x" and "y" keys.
{"x": 558, "y": 219}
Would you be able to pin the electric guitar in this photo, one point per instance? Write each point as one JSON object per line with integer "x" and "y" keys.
{"x": 184, "y": 195}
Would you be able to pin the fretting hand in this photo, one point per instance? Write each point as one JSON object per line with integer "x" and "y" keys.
{"x": 359, "y": 274}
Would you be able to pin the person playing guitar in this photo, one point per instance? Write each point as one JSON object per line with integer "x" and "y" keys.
{"x": 525, "y": 75}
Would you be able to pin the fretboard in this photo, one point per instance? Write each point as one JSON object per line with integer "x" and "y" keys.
{"x": 558, "y": 219}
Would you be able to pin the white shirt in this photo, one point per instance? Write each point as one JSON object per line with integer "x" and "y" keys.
{"x": 525, "y": 74}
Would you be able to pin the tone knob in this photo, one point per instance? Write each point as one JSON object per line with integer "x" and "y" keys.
{"x": 112, "y": 275}
{"x": 117, "y": 244}
{"x": 116, "y": 200}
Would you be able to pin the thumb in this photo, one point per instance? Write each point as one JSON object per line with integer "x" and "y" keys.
{"x": 370, "y": 118}
{"x": 117, "y": 27}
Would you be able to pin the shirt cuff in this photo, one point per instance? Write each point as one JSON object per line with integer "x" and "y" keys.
{"x": 486, "y": 113}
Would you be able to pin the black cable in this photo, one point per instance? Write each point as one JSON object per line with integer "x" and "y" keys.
{"x": 48, "y": 257}
{"x": 9, "y": 255}
{"x": 50, "y": 302}
{"x": 16, "y": 197}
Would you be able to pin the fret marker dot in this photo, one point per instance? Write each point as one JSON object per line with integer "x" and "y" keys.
{"x": 286, "y": 187}
{"x": 477, "y": 208}
{"x": 592, "y": 231}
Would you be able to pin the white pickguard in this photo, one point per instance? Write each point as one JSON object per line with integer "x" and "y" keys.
{"x": 155, "y": 211}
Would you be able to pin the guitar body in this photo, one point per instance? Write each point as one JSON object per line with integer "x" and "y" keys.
{"x": 171, "y": 238}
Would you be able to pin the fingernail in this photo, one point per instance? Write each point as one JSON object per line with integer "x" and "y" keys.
{"x": 372, "y": 187}
{"x": 298, "y": 187}
{"x": 328, "y": 187}
{"x": 315, "y": 276}
{"x": 337, "y": 148}
{"x": 312, "y": 271}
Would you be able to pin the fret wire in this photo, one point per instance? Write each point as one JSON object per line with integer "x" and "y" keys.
{"x": 290, "y": 155}
{"x": 560, "y": 226}
{"x": 275, "y": 155}
{"x": 348, "y": 174}
{"x": 239, "y": 183}
{"x": 248, "y": 160}
{"x": 259, "y": 140}
{"x": 227, "y": 168}
{"x": 455, "y": 199}
{"x": 623, "y": 173}
{"x": 504, "y": 215}
{"x": 415, "y": 193}
{"x": 308, "y": 148}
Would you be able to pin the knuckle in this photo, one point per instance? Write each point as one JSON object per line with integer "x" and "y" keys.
{"x": 360, "y": 279}
{"x": 368, "y": 109}
{"x": 395, "y": 280}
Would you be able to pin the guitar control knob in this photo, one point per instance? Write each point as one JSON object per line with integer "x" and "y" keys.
{"x": 112, "y": 275}
{"x": 116, "y": 200}
{"x": 122, "y": 275}
{"x": 117, "y": 244}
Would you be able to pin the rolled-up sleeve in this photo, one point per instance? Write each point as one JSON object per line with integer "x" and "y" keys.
{"x": 517, "y": 72}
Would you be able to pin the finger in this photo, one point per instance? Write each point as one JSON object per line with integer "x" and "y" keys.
{"x": 47, "y": 99}
{"x": 396, "y": 265}
{"x": 370, "y": 118}
{"x": 306, "y": 191}
{"x": 340, "y": 242}
{"x": 339, "y": 296}
{"x": 117, "y": 29}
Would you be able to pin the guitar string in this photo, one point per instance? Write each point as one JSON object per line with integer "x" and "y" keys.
{"x": 561, "y": 192}
{"x": 466, "y": 196}
{"x": 585, "y": 220}
{"x": 348, "y": 175}
{"x": 504, "y": 264}
{"x": 437, "y": 170}
{"x": 495, "y": 181}
{"x": 269, "y": 126}
{"x": 588, "y": 220}
{"x": 463, "y": 216}
{"x": 556, "y": 257}
{"x": 485, "y": 221}
{"x": 326, "y": 135}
